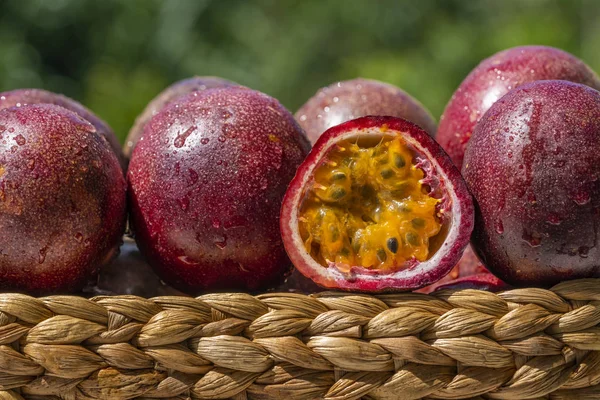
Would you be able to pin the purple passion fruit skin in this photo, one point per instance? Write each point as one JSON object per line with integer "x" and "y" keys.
{"x": 484, "y": 281}
{"x": 377, "y": 206}
{"x": 177, "y": 89}
{"x": 130, "y": 274}
{"x": 62, "y": 200}
{"x": 21, "y": 97}
{"x": 493, "y": 78}
{"x": 206, "y": 183}
{"x": 533, "y": 165}
{"x": 347, "y": 100}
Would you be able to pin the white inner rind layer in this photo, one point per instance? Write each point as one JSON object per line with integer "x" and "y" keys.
{"x": 332, "y": 273}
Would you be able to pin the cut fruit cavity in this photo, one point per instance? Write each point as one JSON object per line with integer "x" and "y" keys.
{"x": 368, "y": 206}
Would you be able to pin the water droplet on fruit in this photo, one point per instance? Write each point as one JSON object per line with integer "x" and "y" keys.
{"x": 220, "y": 241}
{"x": 532, "y": 239}
{"x": 187, "y": 260}
{"x": 20, "y": 140}
{"x": 2, "y": 128}
{"x": 335, "y": 100}
{"x": 79, "y": 237}
{"x": 221, "y": 139}
{"x": 31, "y": 163}
{"x": 499, "y": 226}
{"x": 42, "y": 255}
{"x": 228, "y": 130}
{"x": 554, "y": 219}
{"x": 216, "y": 223}
{"x": 583, "y": 251}
{"x": 204, "y": 140}
{"x": 181, "y": 138}
{"x": 11, "y": 129}
{"x": 581, "y": 197}
{"x": 193, "y": 177}
{"x": 219, "y": 162}
{"x": 87, "y": 242}
{"x": 226, "y": 114}
{"x": 184, "y": 203}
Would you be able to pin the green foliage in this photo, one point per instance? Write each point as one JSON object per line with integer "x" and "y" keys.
{"x": 115, "y": 55}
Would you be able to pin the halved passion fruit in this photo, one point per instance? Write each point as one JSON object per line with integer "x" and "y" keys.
{"x": 376, "y": 206}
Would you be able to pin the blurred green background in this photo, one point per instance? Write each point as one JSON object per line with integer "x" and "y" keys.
{"x": 115, "y": 55}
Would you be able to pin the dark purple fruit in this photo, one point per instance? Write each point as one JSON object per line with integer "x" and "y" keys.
{"x": 206, "y": 184}
{"x": 178, "y": 89}
{"x": 62, "y": 200}
{"x": 493, "y": 78}
{"x": 484, "y": 281}
{"x": 343, "y": 101}
{"x": 21, "y": 97}
{"x": 533, "y": 166}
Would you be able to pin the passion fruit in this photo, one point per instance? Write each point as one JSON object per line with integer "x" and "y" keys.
{"x": 178, "y": 89}
{"x": 533, "y": 166}
{"x": 485, "y": 281}
{"x": 62, "y": 200}
{"x": 376, "y": 206}
{"x": 206, "y": 183}
{"x": 343, "y": 101}
{"x": 467, "y": 266}
{"x": 21, "y": 97}
{"x": 493, "y": 78}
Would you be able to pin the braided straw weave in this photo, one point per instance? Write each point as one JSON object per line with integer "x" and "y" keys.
{"x": 519, "y": 344}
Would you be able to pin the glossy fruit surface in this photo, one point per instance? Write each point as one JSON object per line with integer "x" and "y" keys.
{"x": 533, "y": 167}
{"x": 176, "y": 90}
{"x": 376, "y": 206}
{"x": 467, "y": 266}
{"x": 484, "y": 281}
{"x": 493, "y": 78}
{"x": 343, "y": 101}
{"x": 21, "y": 97}
{"x": 206, "y": 183}
{"x": 62, "y": 200}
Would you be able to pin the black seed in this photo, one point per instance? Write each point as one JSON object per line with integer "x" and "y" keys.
{"x": 367, "y": 191}
{"x": 392, "y": 245}
{"x": 345, "y": 252}
{"x": 399, "y": 161}
{"x": 412, "y": 238}
{"x": 387, "y": 173}
{"x": 356, "y": 246}
{"x": 418, "y": 223}
{"x": 405, "y": 209}
{"x": 338, "y": 176}
{"x": 381, "y": 256}
{"x": 338, "y": 193}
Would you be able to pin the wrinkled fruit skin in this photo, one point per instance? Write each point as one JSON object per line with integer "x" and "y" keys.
{"x": 176, "y": 90}
{"x": 493, "y": 78}
{"x": 457, "y": 203}
{"x": 62, "y": 200}
{"x": 468, "y": 265}
{"x": 343, "y": 101}
{"x": 206, "y": 183}
{"x": 533, "y": 165}
{"x": 484, "y": 281}
{"x": 38, "y": 96}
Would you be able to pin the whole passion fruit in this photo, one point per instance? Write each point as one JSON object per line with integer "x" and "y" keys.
{"x": 21, "y": 97}
{"x": 343, "y": 101}
{"x": 178, "y": 89}
{"x": 533, "y": 166}
{"x": 206, "y": 183}
{"x": 62, "y": 200}
{"x": 376, "y": 206}
{"x": 493, "y": 78}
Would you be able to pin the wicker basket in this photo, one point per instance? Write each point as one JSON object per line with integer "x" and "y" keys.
{"x": 518, "y": 344}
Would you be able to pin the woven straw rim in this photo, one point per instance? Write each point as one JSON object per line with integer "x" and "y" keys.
{"x": 517, "y": 344}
